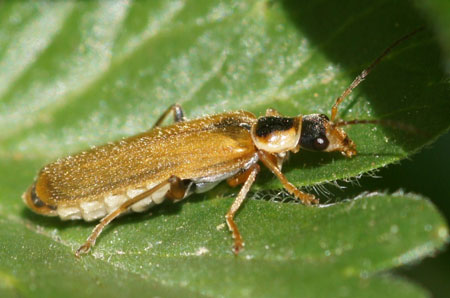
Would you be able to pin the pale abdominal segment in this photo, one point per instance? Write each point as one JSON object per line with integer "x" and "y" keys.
{"x": 93, "y": 210}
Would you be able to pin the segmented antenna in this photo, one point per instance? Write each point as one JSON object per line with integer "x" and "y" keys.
{"x": 366, "y": 71}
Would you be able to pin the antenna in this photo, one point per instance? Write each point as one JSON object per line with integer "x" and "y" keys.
{"x": 366, "y": 71}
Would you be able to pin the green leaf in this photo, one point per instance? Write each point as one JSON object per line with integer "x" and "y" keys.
{"x": 438, "y": 13}
{"x": 76, "y": 74}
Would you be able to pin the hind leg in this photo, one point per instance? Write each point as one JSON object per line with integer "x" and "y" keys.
{"x": 175, "y": 191}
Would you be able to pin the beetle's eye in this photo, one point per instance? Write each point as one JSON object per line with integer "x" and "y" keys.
{"x": 320, "y": 143}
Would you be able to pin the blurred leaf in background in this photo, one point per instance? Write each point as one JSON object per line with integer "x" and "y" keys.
{"x": 77, "y": 74}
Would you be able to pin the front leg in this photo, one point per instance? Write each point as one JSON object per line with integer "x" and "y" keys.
{"x": 267, "y": 160}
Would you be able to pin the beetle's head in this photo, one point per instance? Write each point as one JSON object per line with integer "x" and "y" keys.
{"x": 320, "y": 134}
{"x": 314, "y": 132}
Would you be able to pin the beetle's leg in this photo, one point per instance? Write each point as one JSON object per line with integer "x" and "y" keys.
{"x": 238, "y": 242}
{"x": 241, "y": 177}
{"x": 178, "y": 115}
{"x": 268, "y": 162}
{"x": 178, "y": 189}
{"x": 277, "y": 159}
{"x": 172, "y": 181}
{"x": 272, "y": 112}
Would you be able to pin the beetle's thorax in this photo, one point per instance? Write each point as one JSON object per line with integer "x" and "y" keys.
{"x": 277, "y": 134}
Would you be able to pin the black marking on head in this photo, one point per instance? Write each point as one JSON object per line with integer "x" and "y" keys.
{"x": 270, "y": 124}
{"x": 314, "y": 133}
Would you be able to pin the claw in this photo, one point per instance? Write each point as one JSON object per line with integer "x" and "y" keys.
{"x": 237, "y": 247}
{"x": 83, "y": 249}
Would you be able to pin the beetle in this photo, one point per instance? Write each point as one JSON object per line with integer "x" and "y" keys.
{"x": 188, "y": 156}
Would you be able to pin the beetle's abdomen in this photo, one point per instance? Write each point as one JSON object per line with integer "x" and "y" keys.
{"x": 90, "y": 184}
